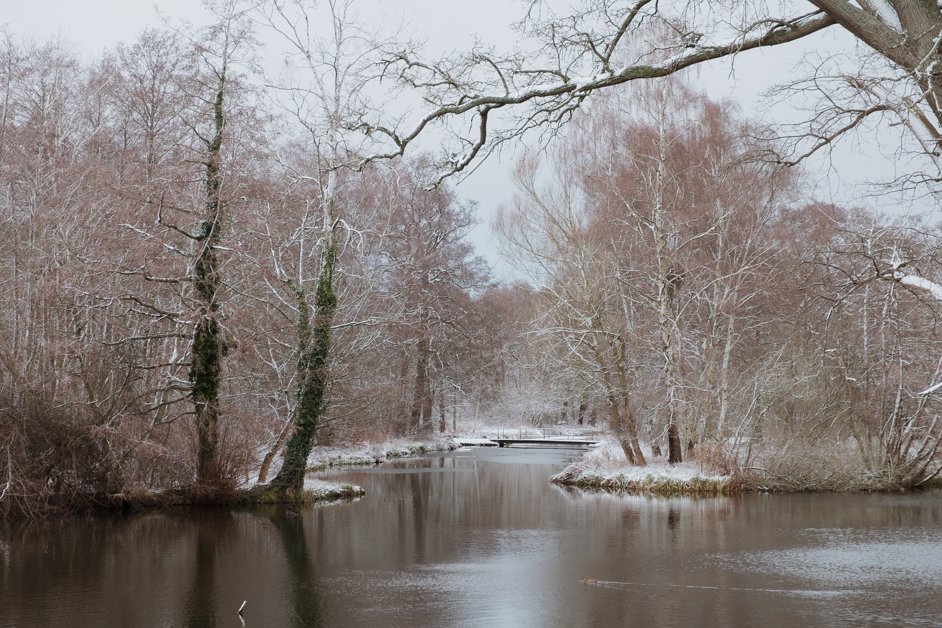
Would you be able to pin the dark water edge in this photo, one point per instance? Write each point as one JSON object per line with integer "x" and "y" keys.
{"x": 481, "y": 538}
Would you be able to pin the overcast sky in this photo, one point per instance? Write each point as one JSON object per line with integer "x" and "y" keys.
{"x": 94, "y": 25}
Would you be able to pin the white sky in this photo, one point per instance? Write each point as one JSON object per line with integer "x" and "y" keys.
{"x": 94, "y": 25}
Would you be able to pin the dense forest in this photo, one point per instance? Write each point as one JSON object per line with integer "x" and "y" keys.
{"x": 205, "y": 276}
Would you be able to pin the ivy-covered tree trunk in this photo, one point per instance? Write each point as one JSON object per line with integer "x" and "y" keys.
{"x": 313, "y": 360}
{"x": 209, "y": 345}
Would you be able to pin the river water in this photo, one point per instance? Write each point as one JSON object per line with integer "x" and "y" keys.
{"x": 480, "y": 538}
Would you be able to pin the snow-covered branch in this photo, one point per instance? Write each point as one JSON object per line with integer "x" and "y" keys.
{"x": 922, "y": 284}
{"x": 456, "y": 91}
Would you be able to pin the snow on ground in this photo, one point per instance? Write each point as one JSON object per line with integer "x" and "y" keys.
{"x": 375, "y": 453}
{"x": 323, "y": 491}
{"x": 602, "y": 467}
{"x": 363, "y": 454}
{"x": 526, "y": 431}
{"x": 475, "y": 442}
{"x": 319, "y": 490}
{"x": 606, "y": 467}
{"x": 360, "y": 454}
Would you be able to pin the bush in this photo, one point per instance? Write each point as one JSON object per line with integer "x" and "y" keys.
{"x": 800, "y": 465}
{"x": 55, "y": 459}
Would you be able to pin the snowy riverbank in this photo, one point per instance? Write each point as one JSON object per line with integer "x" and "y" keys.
{"x": 605, "y": 468}
{"x": 360, "y": 454}
{"x": 322, "y": 491}
{"x": 364, "y": 454}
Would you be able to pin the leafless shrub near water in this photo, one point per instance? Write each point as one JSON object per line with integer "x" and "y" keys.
{"x": 57, "y": 459}
{"x": 54, "y": 460}
{"x": 807, "y": 466}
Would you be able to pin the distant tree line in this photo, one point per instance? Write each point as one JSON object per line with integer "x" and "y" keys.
{"x": 206, "y": 274}
{"x": 163, "y": 248}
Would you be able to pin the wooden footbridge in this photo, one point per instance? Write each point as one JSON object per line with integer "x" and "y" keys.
{"x": 546, "y": 441}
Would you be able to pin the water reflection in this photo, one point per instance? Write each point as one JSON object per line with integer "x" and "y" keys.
{"x": 303, "y": 585}
{"x": 212, "y": 530}
{"x": 481, "y": 538}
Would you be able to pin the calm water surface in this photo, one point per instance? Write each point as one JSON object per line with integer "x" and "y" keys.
{"x": 480, "y": 538}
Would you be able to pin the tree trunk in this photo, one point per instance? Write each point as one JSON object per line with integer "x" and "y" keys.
{"x": 630, "y": 427}
{"x": 442, "y": 419}
{"x": 422, "y": 395}
{"x": 403, "y": 403}
{"x": 209, "y": 346}
{"x": 668, "y": 281}
{"x": 313, "y": 357}
{"x": 674, "y": 449}
{"x": 723, "y": 392}
{"x": 271, "y": 453}
{"x": 628, "y": 438}
{"x": 621, "y": 419}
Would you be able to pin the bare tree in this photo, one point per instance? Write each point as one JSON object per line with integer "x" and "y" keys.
{"x": 652, "y": 240}
{"x": 485, "y": 99}
{"x": 182, "y": 115}
{"x": 333, "y": 72}
{"x": 429, "y": 268}
{"x": 583, "y": 308}
{"x": 872, "y": 274}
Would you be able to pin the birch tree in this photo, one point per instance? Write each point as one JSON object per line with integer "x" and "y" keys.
{"x": 663, "y": 220}
{"x": 873, "y": 273}
{"x": 326, "y": 86}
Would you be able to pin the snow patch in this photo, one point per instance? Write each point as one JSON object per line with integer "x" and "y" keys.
{"x": 606, "y": 467}
{"x": 886, "y": 13}
{"x": 374, "y": 453}
{"x": 475, "y": 442}
{"x": 322, "y": 490}
{"x": 919, "y": 282}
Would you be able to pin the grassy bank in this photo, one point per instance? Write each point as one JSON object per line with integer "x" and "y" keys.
{"x": 315, "y": 492}
{"x": 247, "y": 493}
{"x": 935, "y": 484}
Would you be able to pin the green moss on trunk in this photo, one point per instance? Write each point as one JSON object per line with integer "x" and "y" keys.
{"x": 313, "y": 362}
{"x": 205, "y": 376}
{"x": 209, "y": 347}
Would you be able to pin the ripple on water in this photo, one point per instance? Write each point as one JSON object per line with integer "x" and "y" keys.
{"x": 847, "y": 558}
